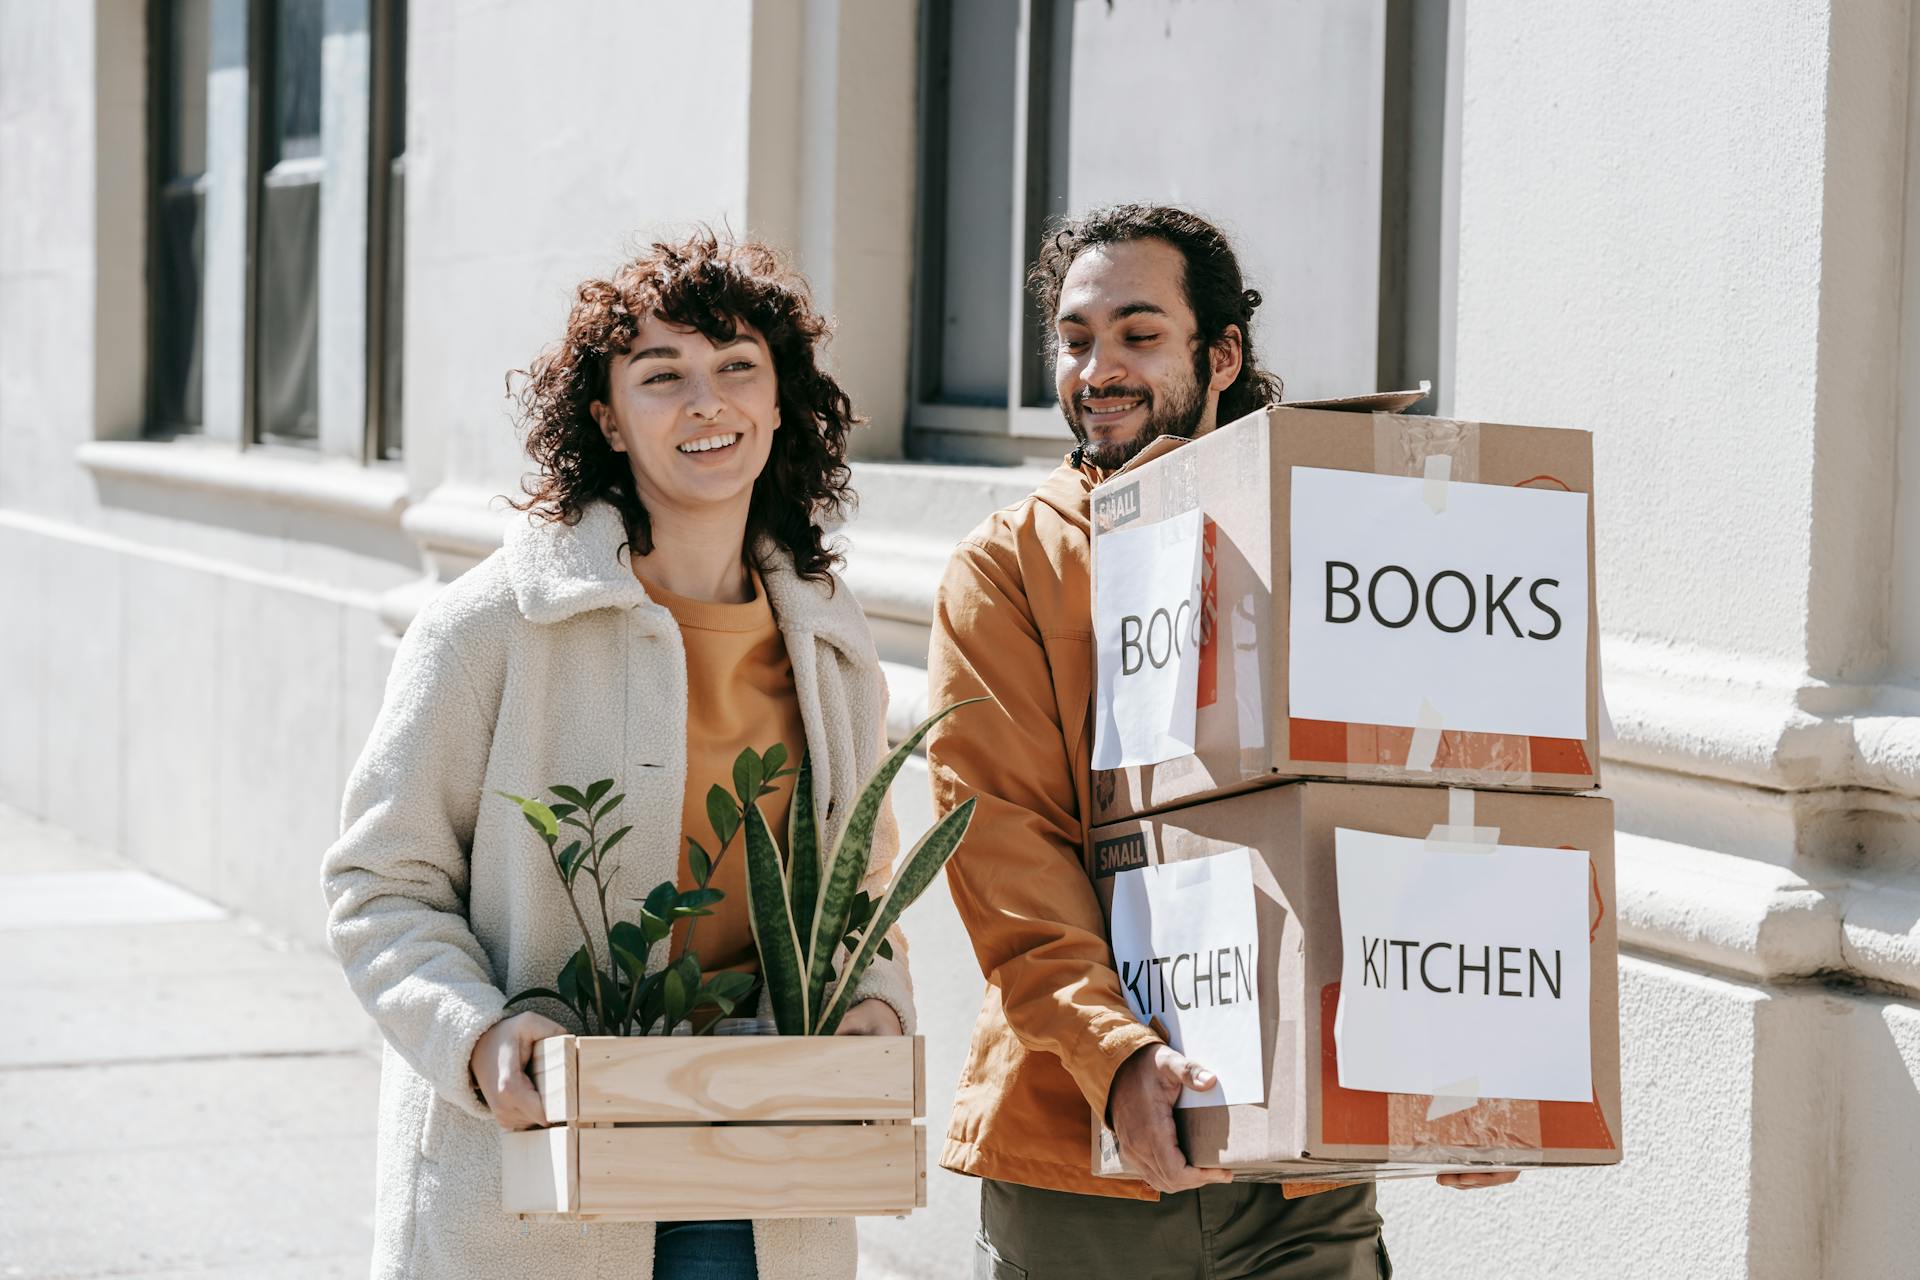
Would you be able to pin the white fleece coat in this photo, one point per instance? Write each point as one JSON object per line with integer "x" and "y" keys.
{"x": 545, "y": 664}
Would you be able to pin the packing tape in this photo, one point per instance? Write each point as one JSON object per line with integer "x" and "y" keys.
{"x": 1437, "y": 470}
{"x": 1458, "y": 834}
{"x": 1454, "y": 1098}
{"x": 1426, "y": 738}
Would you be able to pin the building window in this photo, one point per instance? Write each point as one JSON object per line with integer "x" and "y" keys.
{"x": 287, "y": 284}
{"x": 178, "y": 249}
{"x": 994, "y": 168}
{"x": 280, "y": 125}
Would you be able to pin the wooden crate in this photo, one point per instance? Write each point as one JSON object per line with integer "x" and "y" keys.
{"x": 676, "y": 1128}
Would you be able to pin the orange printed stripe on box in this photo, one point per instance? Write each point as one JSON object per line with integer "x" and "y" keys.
{"x": 1360, "y": 1118}
{"x": 1338, "y": 742}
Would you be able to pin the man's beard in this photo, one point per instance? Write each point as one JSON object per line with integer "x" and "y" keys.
{"x": 1178, "y": 415}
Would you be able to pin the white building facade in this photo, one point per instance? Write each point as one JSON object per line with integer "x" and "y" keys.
{"x": 264, "y": 266}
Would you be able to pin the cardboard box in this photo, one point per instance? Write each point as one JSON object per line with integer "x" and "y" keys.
{"x": 1309, "y": 1127}
{"x": 690, "y": 1128}
{"x": 1485, "y": 615}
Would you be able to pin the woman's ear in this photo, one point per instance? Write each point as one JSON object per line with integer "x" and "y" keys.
{"x": 1225, "y": 359}
{"x": 609, "y": 429}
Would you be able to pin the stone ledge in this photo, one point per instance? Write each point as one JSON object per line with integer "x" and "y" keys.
{"x": 377, "y": 492}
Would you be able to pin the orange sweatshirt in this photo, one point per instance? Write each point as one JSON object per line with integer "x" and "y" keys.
{"x": 1014, "y": 620}
{"x": 739, "y": 694}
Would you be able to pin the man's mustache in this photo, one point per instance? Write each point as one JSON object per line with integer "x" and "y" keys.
{"x": 1144, "y": 396}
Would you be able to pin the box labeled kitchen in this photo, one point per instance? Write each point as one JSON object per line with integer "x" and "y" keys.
{"x": 1376, "y": 597}
{"x": 1423, "y": 979}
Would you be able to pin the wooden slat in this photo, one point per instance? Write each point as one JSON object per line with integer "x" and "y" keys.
{"x": 919, "y": 1076}
{"x": 539, "y": 1171}
{"x": 556, "y": 1075}
{"x": 678, "y": 1079}
{"x": 674, "y": 1173}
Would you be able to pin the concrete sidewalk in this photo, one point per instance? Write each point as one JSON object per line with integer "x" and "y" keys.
{"x": 181, "y": 1094}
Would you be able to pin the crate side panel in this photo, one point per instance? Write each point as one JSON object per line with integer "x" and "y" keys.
{"x": 681, "y": 1173}
{"x": 687, "y": 1079}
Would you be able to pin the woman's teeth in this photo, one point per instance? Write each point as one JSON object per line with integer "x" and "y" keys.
{"x": 707, "y": 443}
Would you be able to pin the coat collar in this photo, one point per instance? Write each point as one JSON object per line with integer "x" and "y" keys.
{"x": 559, "y": 570}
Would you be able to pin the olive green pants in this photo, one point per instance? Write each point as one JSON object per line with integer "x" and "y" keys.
{"x": 1234, "y": 1231}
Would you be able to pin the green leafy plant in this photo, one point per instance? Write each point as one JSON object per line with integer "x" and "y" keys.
{"x": 611, "y": 989}
{"x": 806, "y": 911}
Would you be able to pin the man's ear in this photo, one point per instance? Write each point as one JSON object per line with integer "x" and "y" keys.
{"x": 603, "y": 418}
{"x": 1225, "y": 357}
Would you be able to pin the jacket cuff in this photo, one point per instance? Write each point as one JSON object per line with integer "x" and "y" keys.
{"x": 451, "y": 1071}
{"x": 1094, "y": 1068}
{"x": 886, "y": 980}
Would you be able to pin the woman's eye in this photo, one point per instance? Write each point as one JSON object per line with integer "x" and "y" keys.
{"x": 1072, "y": 344}
{"x": 665, "y": 375}
{"x": 738, "y": 366}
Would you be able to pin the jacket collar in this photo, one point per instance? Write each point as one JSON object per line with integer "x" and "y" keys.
{"x": 559, "y": 570}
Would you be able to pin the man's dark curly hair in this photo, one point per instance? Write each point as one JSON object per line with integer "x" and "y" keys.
{"x": 1215, "y": 290}
{"x": 712, "y": 286}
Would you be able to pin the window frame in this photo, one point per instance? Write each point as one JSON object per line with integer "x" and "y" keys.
{"x": 1027, "y": 411}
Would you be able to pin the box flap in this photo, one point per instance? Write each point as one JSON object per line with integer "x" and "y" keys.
{"x": 1378, "y": 402}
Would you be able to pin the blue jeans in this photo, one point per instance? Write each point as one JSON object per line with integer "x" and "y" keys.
{"x": 704, "y": 1251}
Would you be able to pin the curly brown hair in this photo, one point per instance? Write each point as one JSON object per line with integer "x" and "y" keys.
{"x": 713, "y": 286}
{"x": 1215, "y": 289}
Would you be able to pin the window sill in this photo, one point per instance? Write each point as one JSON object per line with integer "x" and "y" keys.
{"x": 377, "y": 492}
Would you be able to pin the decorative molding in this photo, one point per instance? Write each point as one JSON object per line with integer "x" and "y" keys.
{"x": 376, "y": 492}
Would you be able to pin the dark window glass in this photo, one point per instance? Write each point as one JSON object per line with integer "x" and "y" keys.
{"x": 391, "y": 290}
{"x": 181, "y": 44}
{"x": 287, "y": 285}
{"x": 295, "y": 118}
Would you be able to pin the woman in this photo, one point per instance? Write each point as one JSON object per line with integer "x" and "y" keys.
{"x": 666, "y": 600}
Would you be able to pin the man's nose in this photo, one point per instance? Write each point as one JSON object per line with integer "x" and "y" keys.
{"x": 1103, "y": 366}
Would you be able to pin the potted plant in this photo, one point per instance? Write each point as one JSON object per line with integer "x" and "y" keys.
{"x": 650, "y": 1125}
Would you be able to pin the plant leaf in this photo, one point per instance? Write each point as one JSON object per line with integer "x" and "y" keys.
{"x": 606, "y": 846}
{"x": 661, "y": 899}
{"x": 547, "y": 993}
{"x": 539, "y": 827}
{"x": 627, "y": 934}
{"x": 597, "y": 790}
{"x": 674, "y": 1006}
{"x": 576, "y": 988}
{"x": 772, "y": 758}
{"x": 570, "y": 859}
{"x": 561, "y": 811}
{"x": 915, "y": 874}
{"x": 656, "y": 928}
{"x": 723, "y": 812}
{"x": 609, "y": 807}
{"x": 803, "y": 867}
{"x": 772, "y": 919}
{"x": 699, "y": 862}
{"x": 570, "y": 795}
{"x": 747, "y": 777}
{"x": 700, "y": 897}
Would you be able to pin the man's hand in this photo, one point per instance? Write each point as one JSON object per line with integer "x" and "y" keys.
{"x": 499, "y": 1065}
{"x": 1141, "y": 1107}
{"x": 1469, "y": 1181}
{"x": 871, "y": 1018}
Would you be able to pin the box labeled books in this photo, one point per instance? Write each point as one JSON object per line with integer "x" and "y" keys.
{"x": 1366, "y": 596}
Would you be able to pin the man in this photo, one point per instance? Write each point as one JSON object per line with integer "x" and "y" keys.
{"x": 1148, "y": 323}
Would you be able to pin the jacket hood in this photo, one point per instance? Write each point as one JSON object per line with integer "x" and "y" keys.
{"x": 559, "y": 570}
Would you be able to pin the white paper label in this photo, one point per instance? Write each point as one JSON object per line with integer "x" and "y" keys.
{"x": 1146, "y": 619}
{"x": 1479, "y": 608}
{"x": 1463, "y": 967}
{"x": 1187, "y": 945}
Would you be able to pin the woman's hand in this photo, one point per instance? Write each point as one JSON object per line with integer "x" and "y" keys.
{"x": 499, "y": 1065}
{"x": 1469, "y": 1181}
{"x": 871, "y": 1018}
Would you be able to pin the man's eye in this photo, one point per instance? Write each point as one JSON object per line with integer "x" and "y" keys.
{"x": 1142, "y": 337}
{"x": 1072, "y": 344}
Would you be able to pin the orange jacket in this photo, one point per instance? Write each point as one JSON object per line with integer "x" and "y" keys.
{"x": 1014, "y": 620}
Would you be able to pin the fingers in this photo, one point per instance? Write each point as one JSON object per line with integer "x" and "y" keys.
{"x": 1474, "y": 1181}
